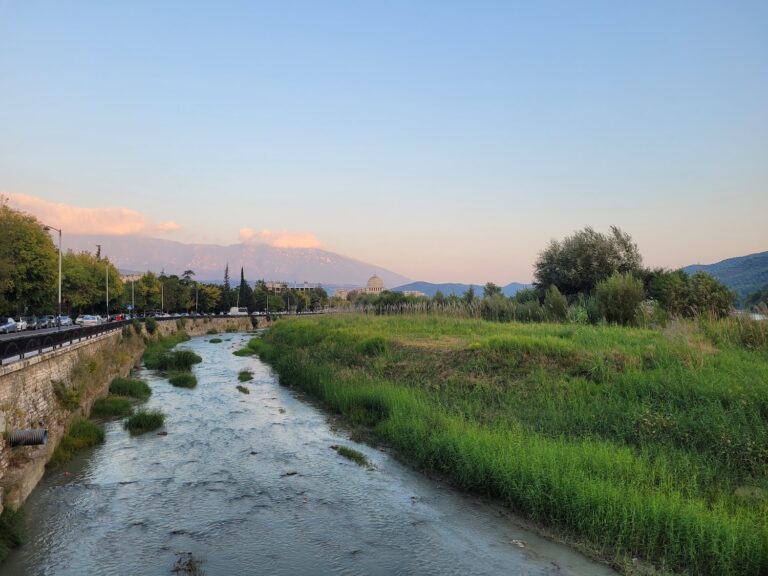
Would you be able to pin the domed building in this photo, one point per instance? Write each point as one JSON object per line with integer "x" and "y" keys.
{"x": 375, "y": 285}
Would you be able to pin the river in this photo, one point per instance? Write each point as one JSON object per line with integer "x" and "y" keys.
{"x": 220, "y": 485}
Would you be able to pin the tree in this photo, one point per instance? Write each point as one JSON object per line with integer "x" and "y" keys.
{"x": 226, "y": 296}
{"x": 491, "y": 289}
{"x": 619, "y": 297}
{"x": 245, "y": 294}
{"x": 709, "y": 296}
{"x": 84, "y": 286}
{"x": 469, "y": 296}
{"x": 28, "y": 264}
{"x": 148, "y": 292}
{"x": 577, "y": 263}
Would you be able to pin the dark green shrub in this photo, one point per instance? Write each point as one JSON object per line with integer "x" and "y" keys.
{"x": 136, "y": 326}
{"x": 530, "y": 311}
{"x": 151, "y": 325}
{"x": 710, "y": 297}
{"x": 243, "y": 389}
{"x": 212, "y": 332}
{"x": 111, "y": 406}
{"x": 144, "y": 421}
{"x": 215, "y": 340}
{"x": 619, "y": 297}
{"x": 130, "y": 387}
{"x": 183, "y": 380}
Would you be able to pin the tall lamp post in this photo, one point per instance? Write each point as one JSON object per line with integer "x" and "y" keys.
{"x": 59, "y": 231}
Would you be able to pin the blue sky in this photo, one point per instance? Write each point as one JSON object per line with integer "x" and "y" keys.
{"x": 448, "y": 141}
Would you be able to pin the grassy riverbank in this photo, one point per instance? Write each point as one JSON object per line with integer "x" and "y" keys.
{"x": 633, "y": 443}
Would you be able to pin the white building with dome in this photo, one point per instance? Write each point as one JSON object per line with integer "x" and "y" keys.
{"x": 375, "y": 285}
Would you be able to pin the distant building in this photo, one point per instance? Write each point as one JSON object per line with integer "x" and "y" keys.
{"x": 413, "y": 293}
{"x": 278, "y": 286}
{"x": 375, "y": 285}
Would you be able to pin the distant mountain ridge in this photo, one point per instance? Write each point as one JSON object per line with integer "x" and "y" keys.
{"x": 742, "y": 274}
{"x": 457, "y": 289}
{"x": 259, "y": 261}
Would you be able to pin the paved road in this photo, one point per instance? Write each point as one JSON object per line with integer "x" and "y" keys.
{"x": 26, "y": 333}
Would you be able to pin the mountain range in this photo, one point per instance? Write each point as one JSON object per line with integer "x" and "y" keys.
{"x": 259, "y": 261}
{"x": 743, "y": 274}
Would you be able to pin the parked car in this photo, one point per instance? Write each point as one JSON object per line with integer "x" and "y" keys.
{"x": 8, "y": 326}
{"x": 32, "y": 322}
{"x": 88, "y": 320}
{"x": 64, "y": 320}
{"x": 21, "y": 324}
{"x": 47, "y": 321}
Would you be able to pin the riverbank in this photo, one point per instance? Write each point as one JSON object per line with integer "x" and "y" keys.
{"x": 637, "y": 444}
{"x": 258, "y": 482}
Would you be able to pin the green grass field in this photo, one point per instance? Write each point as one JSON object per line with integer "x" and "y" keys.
{"x": 627, "y": 442}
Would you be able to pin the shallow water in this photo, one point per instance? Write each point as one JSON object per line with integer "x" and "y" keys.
{"x": 216, "y": 486}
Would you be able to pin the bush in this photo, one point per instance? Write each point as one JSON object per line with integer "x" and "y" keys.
{"x": 530, "y": 311}
{"x": 130, "y": 387}
{"x": 619, "y": 297}
{"x": 183, "y": 380}
{"x": 215, "y": 340}
{"x": 151, "y": 325}
{"x": 243, "y": 389}
{"x": 374, "y": 346}
{"x": 144, "y": 421}
{"x": 111, "y": 406}
{"x": 555, "y": 305}
{"x": 136, "y": 326}
{"x": 212, "y": 332}
{"x": 709, "y": 296}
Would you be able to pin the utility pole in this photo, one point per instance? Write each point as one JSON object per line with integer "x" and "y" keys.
{"x": 59, "y": 231}
{"x": 106, "y": 270}
{"x": 133, "y": 299}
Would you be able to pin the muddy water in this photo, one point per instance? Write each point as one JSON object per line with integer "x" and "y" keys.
{"x": 218, "y": 485}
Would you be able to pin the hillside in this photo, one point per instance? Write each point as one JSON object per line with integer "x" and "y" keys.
{"x": 743, "y": 274}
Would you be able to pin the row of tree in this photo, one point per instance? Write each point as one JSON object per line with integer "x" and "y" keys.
{"x": 588, "y": 277}
{"x": 29, "y": 281}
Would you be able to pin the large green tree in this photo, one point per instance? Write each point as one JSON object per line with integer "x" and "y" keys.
{"x": 85, "y": 283}
{"x": 28, "y": 264}
{"x": 581, "y": 260}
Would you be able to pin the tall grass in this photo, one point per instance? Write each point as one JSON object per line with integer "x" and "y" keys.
{"x": 632, "y": 440}
{"x": 159, "y": 356}
{"x": 111, "y": 406}
{"x": 130, "y": 387}
{"x": 144, "y": 421}
{"x": 183, "y": 380}
{"x": 81, "y": 434}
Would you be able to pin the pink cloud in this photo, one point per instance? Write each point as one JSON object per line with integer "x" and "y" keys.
{"x": 280, "y": 239}
{"x": 113, "y": 221}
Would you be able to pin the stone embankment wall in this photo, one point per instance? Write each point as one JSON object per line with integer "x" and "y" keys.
{"x": 32, "y": 392}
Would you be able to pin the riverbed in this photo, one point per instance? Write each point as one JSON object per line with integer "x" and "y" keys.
{"x": 249, "y": 484}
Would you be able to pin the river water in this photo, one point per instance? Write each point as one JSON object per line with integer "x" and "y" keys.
{"x": 219, "y": 485}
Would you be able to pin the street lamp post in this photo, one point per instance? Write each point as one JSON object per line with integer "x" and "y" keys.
{"x": 59, "y": 231}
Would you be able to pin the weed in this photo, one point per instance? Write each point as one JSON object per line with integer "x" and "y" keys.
{"x": 187, "y": 564}
{"x": 215, "y": 340}
{"x": 245, "y": 375}
{"x": 130, "y": 387}
{"x": 243, "y": 389}
{"x": 183, "y": 380}
{"x": 67, "y": 396}
{"x": 111, "y": 406}
{"x": 151, "y": 325}
{"x": 144, "y": 421}
{"x": 81, "y": 434}
{"x": 212, "y": 332}
{"x": 352, "y": 454}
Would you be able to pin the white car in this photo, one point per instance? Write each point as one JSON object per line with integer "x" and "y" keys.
{"x": 21, "y": 324}
{"x": 87, "y": 320}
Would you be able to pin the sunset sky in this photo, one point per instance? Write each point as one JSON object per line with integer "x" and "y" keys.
{"x": 448, "y": 141}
